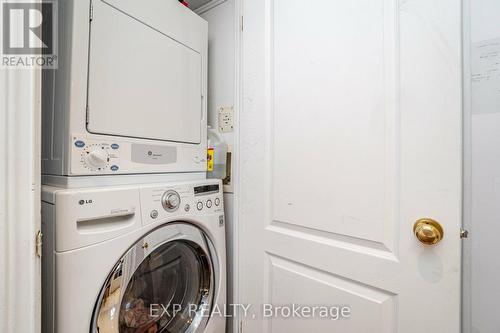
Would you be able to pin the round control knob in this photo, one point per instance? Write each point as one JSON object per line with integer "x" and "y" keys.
{"x": 97, "y": 158}
{"x": 171, "y": 201}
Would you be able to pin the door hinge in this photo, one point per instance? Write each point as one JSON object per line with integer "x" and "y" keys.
{"x": 38, "y": 244}
{"x": 241, "y": 22}
{"x": 464, "y": 234}
{"x": 241, "y": 326}
{"x": 87, "y": 115}
{"x": 91, "y": 12}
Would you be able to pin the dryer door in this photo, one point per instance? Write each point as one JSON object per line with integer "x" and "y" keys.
{"x": 164, "y": 283}
{"x": 143, "y": 82}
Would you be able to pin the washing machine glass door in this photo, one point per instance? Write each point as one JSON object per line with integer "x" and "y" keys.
{"x": 164, "y": 283}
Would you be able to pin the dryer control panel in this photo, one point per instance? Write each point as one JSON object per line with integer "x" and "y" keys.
{"x": 100, "y": 155}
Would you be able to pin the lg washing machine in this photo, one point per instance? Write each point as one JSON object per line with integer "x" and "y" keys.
{"x": 144, "y": 258}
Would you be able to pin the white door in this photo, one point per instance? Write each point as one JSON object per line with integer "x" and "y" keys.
{"x": 350, "y": 133}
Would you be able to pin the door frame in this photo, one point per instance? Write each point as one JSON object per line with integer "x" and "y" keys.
{"x": 20, "y": 217}
{"x": 238, "y": 62}
{"x": 465, "y": 305}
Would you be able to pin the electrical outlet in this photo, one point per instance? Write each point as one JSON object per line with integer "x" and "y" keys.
{"x": 226, "y": 119}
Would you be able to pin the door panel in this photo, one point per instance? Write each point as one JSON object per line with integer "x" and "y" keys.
{"x": 342, "y": 123}
{"x": 374, "y": 308}
{"x": 351, "y": 132}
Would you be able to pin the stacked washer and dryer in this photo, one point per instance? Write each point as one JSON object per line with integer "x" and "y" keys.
{"x": 134, "y": 233}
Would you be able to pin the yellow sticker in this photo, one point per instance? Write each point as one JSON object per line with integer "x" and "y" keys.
{"x": 210, "y": 159}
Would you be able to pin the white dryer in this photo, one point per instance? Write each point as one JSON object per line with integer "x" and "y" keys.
{"x": 129, "y": 93}
{"x": 147, "y": 258}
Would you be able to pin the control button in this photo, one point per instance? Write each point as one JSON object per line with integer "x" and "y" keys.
{"x": 217, "y": 201}
{"x": 171, "y": 201}
{"x": 97, "y": 158}
{"x": 199, "y": 205}
{"x": 209, "y": 203}
{"x": 187, "y": 208}
{"x": 115, "y": 146}
{"x": 154, "y": 214}
{"x": 114, "y": 168}
{"x": 79, "y": 143}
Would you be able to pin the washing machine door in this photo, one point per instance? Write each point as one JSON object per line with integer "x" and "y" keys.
{"x": 164, "y": 283}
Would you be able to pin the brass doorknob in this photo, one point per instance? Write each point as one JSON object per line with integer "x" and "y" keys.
{"x": 428, "y": 231}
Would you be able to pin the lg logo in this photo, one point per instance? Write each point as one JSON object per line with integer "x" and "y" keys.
{"x": 29, "y": 34}
{"x": 85, "y": 202}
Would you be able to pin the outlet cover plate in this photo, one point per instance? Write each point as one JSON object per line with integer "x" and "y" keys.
{"x": 226, "y": 119}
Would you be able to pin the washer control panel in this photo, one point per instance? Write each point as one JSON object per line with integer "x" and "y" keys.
{"x": 204, "y": 196}
{"x": 181, "y": 201}
{"x": 208, "y": 203}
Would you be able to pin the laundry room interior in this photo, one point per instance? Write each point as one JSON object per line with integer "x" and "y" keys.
{"x": 249, "y": 166}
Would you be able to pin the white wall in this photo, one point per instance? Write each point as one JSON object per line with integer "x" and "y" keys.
{"x": 222, "y": 93}
{"x": 221, "y": 61}
{"x": 482, "y": 176}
